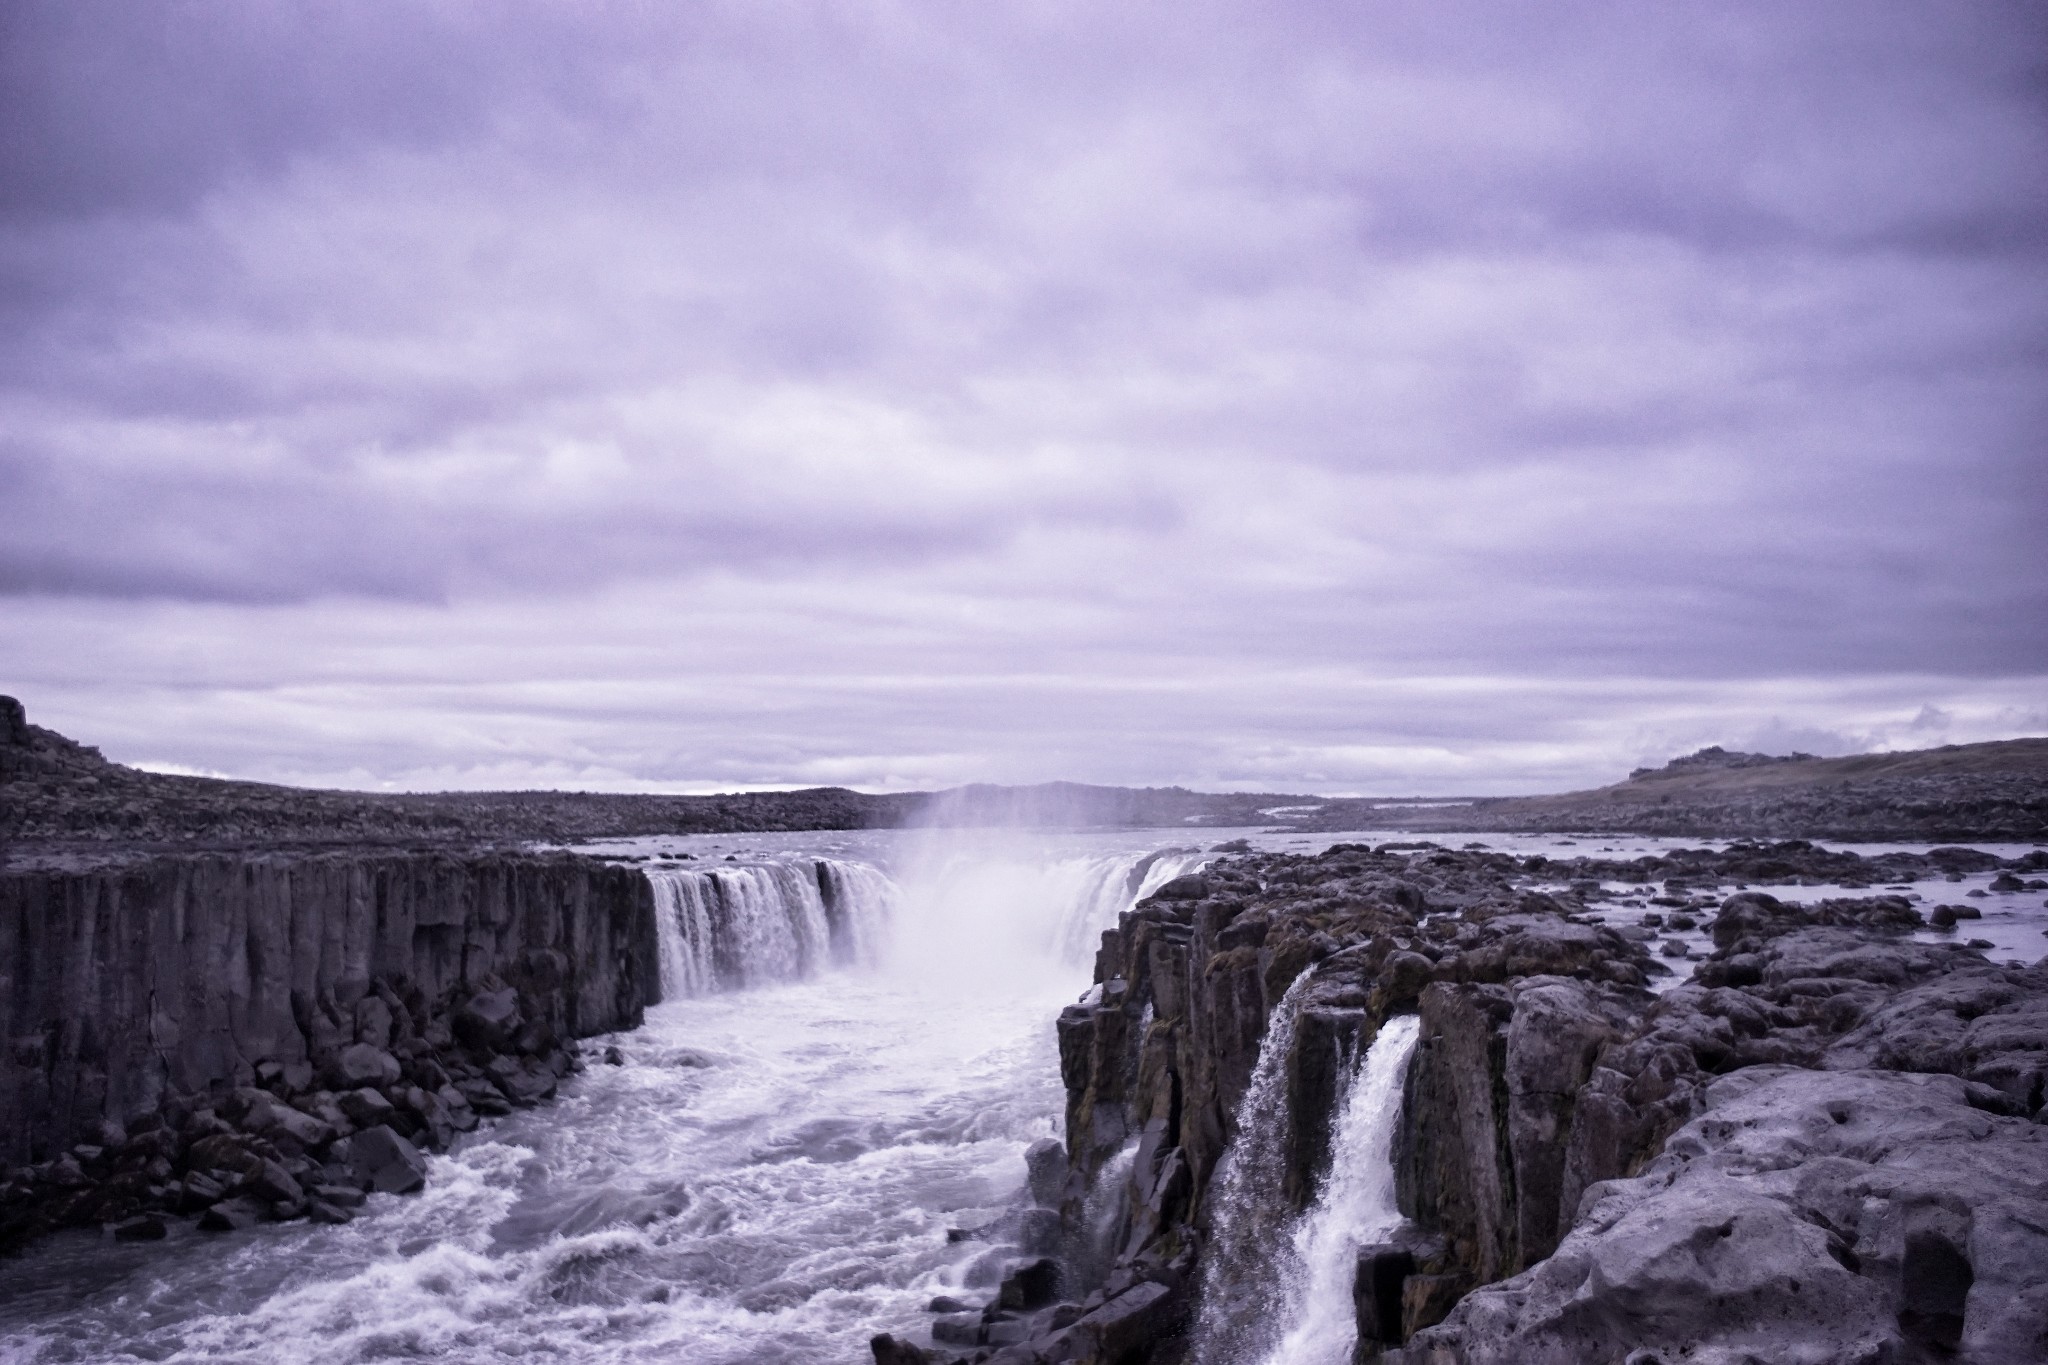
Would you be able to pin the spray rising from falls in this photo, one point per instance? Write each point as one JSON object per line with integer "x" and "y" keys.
{"x": 722, "y": 928}
{"x": 730, "y": 927}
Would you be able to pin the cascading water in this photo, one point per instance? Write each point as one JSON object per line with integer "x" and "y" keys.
{"x": 767, "y": 1178}
{"x": 1247, "y": 1203}
{"x": 1106, "y": 887}
{"x": 721, "y": 928}
{"x": 1102, "y": 1212}
{"x": 1354, "y": 1208}
{"x": 1274, "y": 1294}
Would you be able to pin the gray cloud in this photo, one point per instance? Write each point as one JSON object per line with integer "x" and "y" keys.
{"x": 1173, "y": 381}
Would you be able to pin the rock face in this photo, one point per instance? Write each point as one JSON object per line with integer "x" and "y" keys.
{"x": 273, "y": 1005}
{"x": 1157, "y": 1060}
{"x": 1826, "y": 1146}
{"x": 1805, "y": 1215}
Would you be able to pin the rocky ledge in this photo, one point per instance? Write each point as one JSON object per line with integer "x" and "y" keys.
{"x": 272, "y": 1036}
{"x": 1827, "y": 1145}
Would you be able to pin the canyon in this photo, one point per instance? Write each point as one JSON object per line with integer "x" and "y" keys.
{"x": 1528, "y": 1098}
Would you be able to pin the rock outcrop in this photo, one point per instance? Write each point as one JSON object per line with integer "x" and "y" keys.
{"x": 1795, "y": 1155}
{"x": 1806, "y": 1215}
{"x": 1787, "y": 1159}
{"x": 186, "y": 1032}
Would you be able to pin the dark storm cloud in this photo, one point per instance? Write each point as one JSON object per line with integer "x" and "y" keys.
{"x": 960, "y": 375}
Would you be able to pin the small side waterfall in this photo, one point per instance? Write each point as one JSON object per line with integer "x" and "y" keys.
{"x": 1247, "y": 1203}
{"x": 1282, "y": 1295}
{"x": 1354, "y": 1208}
{"x": 722, "y": 928}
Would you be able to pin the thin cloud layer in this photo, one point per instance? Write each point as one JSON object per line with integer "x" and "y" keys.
{"x": 1386, "y": 397}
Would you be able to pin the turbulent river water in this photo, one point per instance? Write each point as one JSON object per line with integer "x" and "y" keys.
{"x": 768, "y": 1177}
{"x": 851, "y": 1063}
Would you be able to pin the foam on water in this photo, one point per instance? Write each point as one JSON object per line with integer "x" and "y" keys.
{"x": 768, "y": 1178}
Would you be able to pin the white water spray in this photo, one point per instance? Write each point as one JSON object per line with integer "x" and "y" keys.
{"x": 1001, "y": 900}
{"x": 1354, "y": 1208}
{"x": 1106, "y": 887}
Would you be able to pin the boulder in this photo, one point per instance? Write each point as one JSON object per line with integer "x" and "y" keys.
{"x": 522, "y": 1081}
{"x": 360, "y": 1064}
{"x": 1033, "y": 1284}
{"x": 1139, "y": 1316}
{"x": 271, "y": 1181}
{"x": 889, "y": 1350}
{"x": 489, "y": 1019}
{"x": 232, "y": 1215}
{"x": 293, "y": 1131}
{"x": 1045, "y": 1164}
{"x": 364, "y": 1107}
{"x": 386, "y": 1162}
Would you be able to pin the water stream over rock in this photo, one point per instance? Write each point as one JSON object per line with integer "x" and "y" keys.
{"x": 1248, "y": 1207}
{"x": 1354, "y": 1207}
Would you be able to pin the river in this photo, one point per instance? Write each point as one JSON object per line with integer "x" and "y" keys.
{"x": 769, "y": 1176}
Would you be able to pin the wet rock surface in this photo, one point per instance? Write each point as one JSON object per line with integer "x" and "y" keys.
{"x": 266, "y": 1037}
{"x": 1822, "y": 1146}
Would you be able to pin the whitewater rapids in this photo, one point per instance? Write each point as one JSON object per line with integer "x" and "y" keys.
{"x": 857, "y": 1051}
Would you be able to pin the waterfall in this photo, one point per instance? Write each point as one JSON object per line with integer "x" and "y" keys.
{"x": 1103, "y": 888}
{"x": 1354, "y": 1208}
{"x": 728, "y": 927}
{"x": 1247, "y": 1203}
{"x": 721, "y": 928}
{"x": 1001, "y": 902}
{"x": 1281, "y": 1295}
{"x": 1103, "y": 1211}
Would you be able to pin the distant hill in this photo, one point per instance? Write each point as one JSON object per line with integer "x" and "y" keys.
{"x": 1997, "y": 790}
{"x": 56, "y": 790}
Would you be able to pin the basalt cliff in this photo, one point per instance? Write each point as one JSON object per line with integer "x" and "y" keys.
{"x": 264, "y": 1036}
{"x": 1827, "y": 1145}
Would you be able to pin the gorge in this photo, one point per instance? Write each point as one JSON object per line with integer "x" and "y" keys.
{"x": 818, "y": 1096}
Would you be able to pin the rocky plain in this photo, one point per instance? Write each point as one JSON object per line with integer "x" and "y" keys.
{"x": 1767, "y": 1101}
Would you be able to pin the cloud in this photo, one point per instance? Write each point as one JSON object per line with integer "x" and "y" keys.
{"x": 958, "y": 373}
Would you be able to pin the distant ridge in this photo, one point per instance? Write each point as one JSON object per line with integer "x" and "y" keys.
{"x": 56, "y": 790}
{"x": 1992, "y": 791}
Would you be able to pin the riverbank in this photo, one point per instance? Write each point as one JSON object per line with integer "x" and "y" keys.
{"x": 266, "y": 1037}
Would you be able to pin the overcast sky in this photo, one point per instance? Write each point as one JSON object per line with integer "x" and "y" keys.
{"x": 1340, "y": 397}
